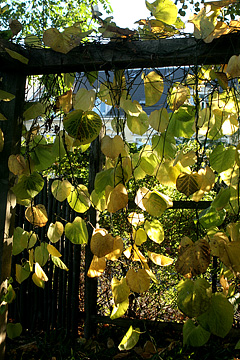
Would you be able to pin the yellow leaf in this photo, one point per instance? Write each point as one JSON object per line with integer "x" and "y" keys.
{"x": 139, "y": 236}
{"x": 120, "y": 290}
{"x": 37, "y": 281}
{"x": 55, "y": 231}
{"x": 177, "y": 96}
{"x": 233, "y": 67}
{"x": 159, "y": 259}
{"x": 193, "y": 259}
{"x": 101, "y": 245}
{"x": 36, "y": 215}
{"x": 153, "y": 86}
{"x": 1, "y": 140}
{"x": 112, "y": 147}
{"x": 40, "y": 273}
{"x": 117, "y": 249}
{"x": 17, "y": 164}
{"x": 64, "y": 102}
{"x": 96, "y": 267}
{"x": 133, "y": 253}
{"x": 65, "y": 41}
{"x": 53, "y": 251}
{"x": 117, "y": 198}
{"x": 61, "y": 189}
{"x": 139, "y": 281}
{"x": 204, "y": 22}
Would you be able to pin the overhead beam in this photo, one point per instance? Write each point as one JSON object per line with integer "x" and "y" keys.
{"x": 122, "y": 54}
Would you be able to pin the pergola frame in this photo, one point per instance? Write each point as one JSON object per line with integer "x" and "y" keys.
{"x": 123, "y": 54}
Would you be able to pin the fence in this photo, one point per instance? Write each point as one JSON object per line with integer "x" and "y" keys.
{"x": 62, "y": 300}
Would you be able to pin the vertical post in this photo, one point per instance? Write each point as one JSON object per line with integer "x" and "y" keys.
{"x": 90, "y": 303}
{"x": 12, "y": 128}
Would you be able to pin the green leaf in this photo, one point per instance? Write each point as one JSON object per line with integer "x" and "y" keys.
{"x": 194, "y": 335}
{"x": 58, "y": 149}
{"x": 76, "y": 231}
{"x": 179, "y": 128}
{"x": 210, "y": 217}
{"x": 28, "y": 186}
{"x": 6, "y": 96}
{"x": 92, "y": 77}
{"x": 14, "y": 330}
{"x": 185, "y": 113}
{"x": 15, "y": 55}
{"x": 59, "y": 263}
{"x": 154, "y": 230}
{"x": 20, "y": 240}
{"x": 119, "y": 309}
{"x": 79, "y": 199}
{"x": 138, "y": 124}
{"x": 84, "y": 126}
{"x": 164, "y": 145}
{"x": 149, "y": 161}
{"x": 218, "y": 319}
{"x": 222, "y": 198}
{"x": 222, "y": 158}
{"x": 69, "y": 79}
{"x": 103, "y": 179}
{"x": 130, "y": 339}
{"x": 194, "y": 297}
{"x": 41, "y": 254}
{"x": 37, "y": 281}
{"x": 32, "y": 110}
{"x": 99, "y": 200}
{"x": 159, "y": 119}
{"x": 22, "y": 272}
{"x": 156, "y": 203}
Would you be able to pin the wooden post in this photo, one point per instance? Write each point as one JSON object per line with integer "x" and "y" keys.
{"x": 12, "y": 127}
{"x": 90, "y": 301}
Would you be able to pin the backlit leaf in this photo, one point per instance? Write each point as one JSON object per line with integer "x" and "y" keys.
{"x": 154, "y": 230}
{"x": 79, "y": 199}
{"x": 159, "y": 259}
{"x": 233, "y": 67}
{"x": 61, "y": 189}
{"x": 178, "y": 94}
{"x": 76, "y": 231}
{"x": 194, "y": 297}
{"x": 119, "y": 309}
{"x": 163, "y": 10}
{"x": 6, "y": 96}
{"x": 28, "y": 186}
{"x": 117, "y": 198}
{"x": 112, "y": 147}
{"x": 40, "y": 273}
{"x": 33, "y": 109}
{"x": 222, "y": 158}
{"x": 37, "y": 281}
{"x": 65, "y": 41}
{"x": 64, "y": 102}
{"x": 139, "y": 236}
{"x": 59, "y": 263}
{"x": 96, "y": 267}
{"x": 159, "y": 119}
{"x": 84, "y": 126}
{"x": 130, "y": 339}
{"x": 153, "y": 87}
{"x": 84, "y": 99}
{"x": 139, "y": 281}
{"x": 55, "y": 231}
{"x": 53, "y": 251}
{"x": 120, "y": 290}
{"x": 138, "y": 124}
{"x": 36, "y": 215}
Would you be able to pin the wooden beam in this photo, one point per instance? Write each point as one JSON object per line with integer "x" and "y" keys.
{"x": 12, "y": 128}
{"x": 122, "y": 54}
